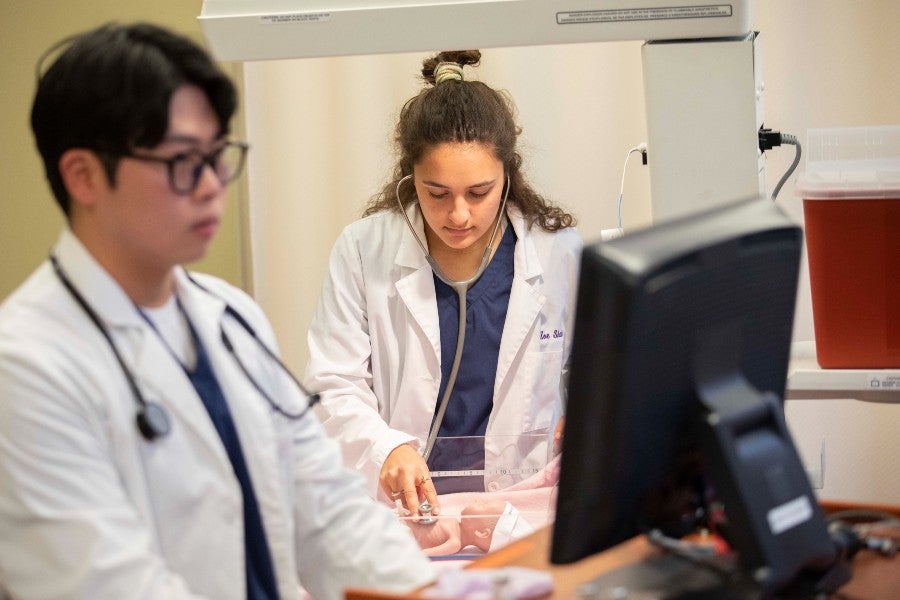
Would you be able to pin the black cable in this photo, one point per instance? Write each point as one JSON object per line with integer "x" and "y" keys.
{"x": 692, "y": 553}
{"x": 787, "y": 138}
{"x": 862, "y": 522}
{"x": 850, "y": 538}
{"x": 866, "y": 514}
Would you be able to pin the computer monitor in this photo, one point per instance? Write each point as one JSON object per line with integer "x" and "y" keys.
{"x": 679, "y": 359}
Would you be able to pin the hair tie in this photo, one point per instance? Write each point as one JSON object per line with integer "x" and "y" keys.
{"x": 446, "y": 71}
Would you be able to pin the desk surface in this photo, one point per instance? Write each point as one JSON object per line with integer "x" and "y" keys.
{"x": 533, "y": 551}
{"x": 875, "y": 577}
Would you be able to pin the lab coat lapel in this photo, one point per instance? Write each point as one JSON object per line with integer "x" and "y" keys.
{"x": 250, "y": 415}
{"x": 250, "y": 412}
{"x": 98, "y": 288}
{"x": 525, "y": 300}
{"x": 416, "y": 288}
{"x": 159, "y": 376}
{"x": 174, "y": 390}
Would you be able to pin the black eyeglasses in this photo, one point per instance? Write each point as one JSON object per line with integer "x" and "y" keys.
{"x": 186, "y": 168}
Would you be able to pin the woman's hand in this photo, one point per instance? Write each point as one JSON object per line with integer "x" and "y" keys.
{"x": 404, "y": 477}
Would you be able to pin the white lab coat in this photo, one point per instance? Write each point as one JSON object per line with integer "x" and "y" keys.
{"x": 89, "y": 509}
{"x": 375, "y": 346}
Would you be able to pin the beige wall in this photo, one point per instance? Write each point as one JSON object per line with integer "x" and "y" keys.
{"x": 29, "y": 218}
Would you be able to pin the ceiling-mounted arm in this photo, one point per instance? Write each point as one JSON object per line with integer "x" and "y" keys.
{"x": 240, "y": 30}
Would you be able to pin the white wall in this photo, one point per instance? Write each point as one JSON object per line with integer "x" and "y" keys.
{"x": 834, "y": 64}
{"x": 321, "y": 128}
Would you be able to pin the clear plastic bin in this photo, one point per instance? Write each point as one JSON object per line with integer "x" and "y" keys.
{"x": 488, "y": 463}
{"x": 484, "y": 525}
{"x": 500, "y": 489}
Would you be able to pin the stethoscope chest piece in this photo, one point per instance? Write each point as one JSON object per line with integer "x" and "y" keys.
{"x": 152, "y": 421}
{"x": 425, "y": 510}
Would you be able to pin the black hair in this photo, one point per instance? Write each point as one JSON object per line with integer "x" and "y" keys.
{"x": 109, "y": 90}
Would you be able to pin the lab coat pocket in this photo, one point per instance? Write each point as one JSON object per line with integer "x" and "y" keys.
{"x": 543, "y": 370}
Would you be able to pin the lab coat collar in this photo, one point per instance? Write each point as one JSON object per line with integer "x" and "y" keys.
{"x": 145, "y": 354}
{"x": 527, "y": 262}
{"x": 525, "y": 298}
{"x": 205, "y": 308}
{"x": 108, "y": 298}
{"x": 410, "y": 254}
{"x": 415, "y": 286}
{"x": 101, "y": 291}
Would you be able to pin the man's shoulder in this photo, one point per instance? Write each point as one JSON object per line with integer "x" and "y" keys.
{"x": 41, "y": 328}
{"x": 34, "y": 300}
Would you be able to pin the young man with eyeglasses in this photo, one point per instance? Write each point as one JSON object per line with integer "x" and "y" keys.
{"x": 152, "y": 445}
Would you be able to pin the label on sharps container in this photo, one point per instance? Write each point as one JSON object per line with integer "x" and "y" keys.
{"x": 295, "y": 18}
{"x": 790, "y": 514}
{"x": 878, "y": 381}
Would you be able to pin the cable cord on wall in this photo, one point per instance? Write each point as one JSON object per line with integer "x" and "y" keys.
{"x": 642, "y": 148}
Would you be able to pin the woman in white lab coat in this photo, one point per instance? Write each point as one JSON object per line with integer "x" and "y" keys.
{"x": 385, "y": 333}
{"x": 151, "y": 445}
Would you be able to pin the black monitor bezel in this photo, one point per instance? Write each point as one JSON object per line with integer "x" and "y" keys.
{"x": 613, "y": 287}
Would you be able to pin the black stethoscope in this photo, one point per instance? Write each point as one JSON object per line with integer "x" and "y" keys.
{"x": 152, "y": 419}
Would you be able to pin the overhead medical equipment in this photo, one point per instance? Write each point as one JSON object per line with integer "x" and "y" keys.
{"x": 275, "y": 29}
{"x": 701, "y": 65}
{"x": 152, "y": 418}
{"x": 460, "y": 287}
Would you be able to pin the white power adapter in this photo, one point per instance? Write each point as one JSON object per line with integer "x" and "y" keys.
{"x": 611, "y": 234}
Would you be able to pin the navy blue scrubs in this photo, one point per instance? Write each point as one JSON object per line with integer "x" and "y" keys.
{"x": 472, "y": 398}
{"x": 259, "y": 571}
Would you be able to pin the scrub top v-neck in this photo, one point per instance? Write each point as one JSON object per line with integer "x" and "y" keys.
{"x": 472, "y": 400}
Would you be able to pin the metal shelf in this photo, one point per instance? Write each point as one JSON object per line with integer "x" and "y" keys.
{"x": 808, "y": 381}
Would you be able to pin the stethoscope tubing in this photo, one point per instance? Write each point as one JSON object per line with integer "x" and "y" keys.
{"x": 312, "y": 398}
{"x": 461, "y": 288}
{"x": 152, "y": 419}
